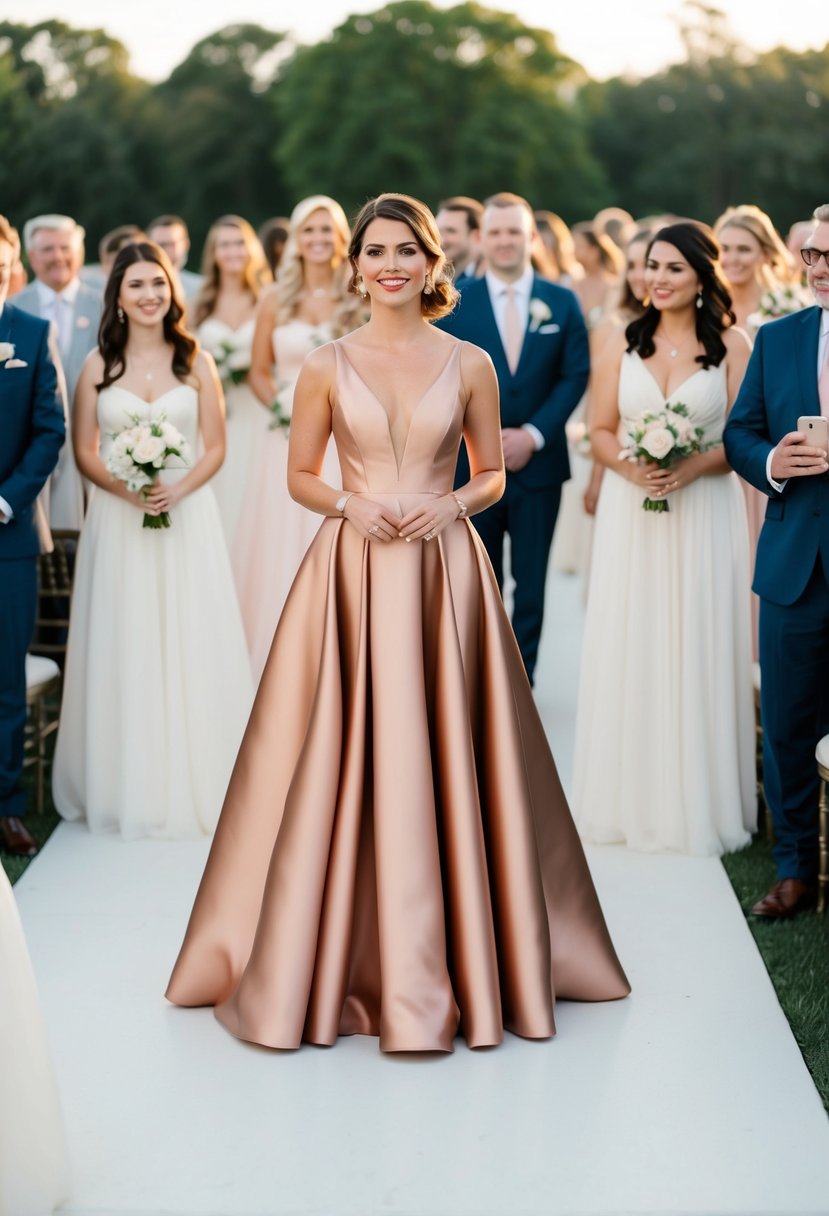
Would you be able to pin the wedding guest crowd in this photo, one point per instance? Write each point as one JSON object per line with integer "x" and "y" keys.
{"x": 660, "y": 312}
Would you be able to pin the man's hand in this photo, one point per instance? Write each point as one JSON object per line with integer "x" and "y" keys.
{"x": 518, "y": 447}
{"x": 793, "y": 458}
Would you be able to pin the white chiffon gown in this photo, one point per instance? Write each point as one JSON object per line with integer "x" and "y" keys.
{"x": 34, "y": 1173}
{"x": 274, "y": 531}
{"x": 246, "y": 422}
{"x": 664, "y": 754}
{"x": 157, "y": 685}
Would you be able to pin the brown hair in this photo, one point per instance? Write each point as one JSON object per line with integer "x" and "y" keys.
{"x": 254, "y": 276}
{"x": 418, "y": 217}
{"x": 506, "y": 199}
{"x": 113, "y": 333}
{"x": 472, "y": 209}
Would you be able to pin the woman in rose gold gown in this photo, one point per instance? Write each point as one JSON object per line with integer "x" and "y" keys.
{"x": 395, "y": 856}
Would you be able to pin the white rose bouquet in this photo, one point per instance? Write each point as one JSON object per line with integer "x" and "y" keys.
{"x": 232, "y": 359}
{"x": 777, "y": 302}
{"x": 664, "y": 439}
{"x": 6, "y": 351}
{"x": 141, "y": 451}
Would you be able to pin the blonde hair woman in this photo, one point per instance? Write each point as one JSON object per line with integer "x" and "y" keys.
{"x": 224, "y": 314}
{"x": 307, "y": 306}
{"x": 753, "y": 258}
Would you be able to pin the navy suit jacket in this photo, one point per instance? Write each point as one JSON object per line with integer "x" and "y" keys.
{"x": 780, "y": 385}
{"x": 551, "y": 375}
{"x": 32, "y": 428}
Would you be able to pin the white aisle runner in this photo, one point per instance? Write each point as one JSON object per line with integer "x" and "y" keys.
{"x": 690, "y": 1097}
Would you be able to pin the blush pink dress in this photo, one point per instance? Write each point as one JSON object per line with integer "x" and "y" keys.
{"x": 395, "y": 856}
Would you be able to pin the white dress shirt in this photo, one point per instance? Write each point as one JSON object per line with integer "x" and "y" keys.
{"x": 822, "y": 352}
{"x": 522, "y": 291}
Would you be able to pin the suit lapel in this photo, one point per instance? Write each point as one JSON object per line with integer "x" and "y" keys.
{"x": 806, "y": 341}
{"x": 6, "y": 323}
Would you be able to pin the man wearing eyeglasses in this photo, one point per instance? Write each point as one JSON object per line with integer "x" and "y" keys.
{"x": 788, "y": 378}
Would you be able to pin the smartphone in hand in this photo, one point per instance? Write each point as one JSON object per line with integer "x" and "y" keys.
{"x": 816, "y": 429}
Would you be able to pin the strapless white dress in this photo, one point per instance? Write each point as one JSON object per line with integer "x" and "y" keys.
{"x": 246, "y": 421}
{"x": 274, "y": 531}
{"x": 34, "y": 1174}
{"x": 157, "y": 685}
{"x": 665, "y": 726}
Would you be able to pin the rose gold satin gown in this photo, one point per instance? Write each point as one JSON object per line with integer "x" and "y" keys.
{"x": 395, "y": 856}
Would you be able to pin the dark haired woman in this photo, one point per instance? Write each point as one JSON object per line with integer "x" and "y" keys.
{"x": 395, "y": 856}
{"x": 157, "y": 683}
{"x": 665, "y": 727}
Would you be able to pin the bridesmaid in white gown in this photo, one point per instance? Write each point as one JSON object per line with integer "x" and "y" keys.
{"x": 307, "y": 307}
{"x": 234, "y": 271}
{"x": 157, "y": 684}
{"x": 34, "y": 1174}
{"x": 665, "y": 726}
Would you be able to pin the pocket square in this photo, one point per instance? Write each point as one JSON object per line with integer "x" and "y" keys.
{"x": 15, "y": 363}
{"x": 549, "y": 329}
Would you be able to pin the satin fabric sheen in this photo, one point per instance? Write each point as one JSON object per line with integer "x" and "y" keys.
{"x": 395, "y": 855}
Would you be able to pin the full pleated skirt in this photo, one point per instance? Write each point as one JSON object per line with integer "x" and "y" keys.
{"x": 664, "y": 755}
{"x": 157, "y": 686}
{"x": 34, "y": 1173}
{"x": 395, "y": 855}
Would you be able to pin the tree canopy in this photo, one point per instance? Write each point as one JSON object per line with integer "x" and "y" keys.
{"x": 410, "y": 97}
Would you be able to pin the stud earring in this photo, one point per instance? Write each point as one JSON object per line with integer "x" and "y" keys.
{"x": 699, "y": 299}
{"x": 120, "y": 314}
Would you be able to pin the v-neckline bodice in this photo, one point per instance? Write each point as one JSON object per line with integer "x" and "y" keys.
{"x": 400, "y": 462}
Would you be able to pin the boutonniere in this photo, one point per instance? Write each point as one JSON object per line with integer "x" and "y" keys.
{"x": 6, "y": 351}
{"x": 539, "y": 313}
{"x": 82, "y": 323}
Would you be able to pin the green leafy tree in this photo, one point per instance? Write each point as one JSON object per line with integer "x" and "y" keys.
{"x": 67, "y": 112}
{"x": 433, "y": 102}
{"x": 216, "y": 145}
{"x": 721, "y": 128}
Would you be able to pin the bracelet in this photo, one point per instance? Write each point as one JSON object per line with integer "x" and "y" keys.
{"x": 463, "y": 510}
{"x": 339, "y": 505}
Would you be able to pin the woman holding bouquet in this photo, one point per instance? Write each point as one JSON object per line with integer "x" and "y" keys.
{"x": 665, "y": 728}
{"x": 157, "y": 685}
{"x": 224, "y": 314}
{"x": 307, "y": 307}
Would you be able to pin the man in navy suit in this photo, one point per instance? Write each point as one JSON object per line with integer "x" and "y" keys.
{"x": 31, "y": 434}
{"x": 788, "y": 377}
{"x": 534, "y": 332}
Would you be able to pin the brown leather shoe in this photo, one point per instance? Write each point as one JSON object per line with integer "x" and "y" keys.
{"x": 16, "y": 838}
{"x": 785, "y": 899}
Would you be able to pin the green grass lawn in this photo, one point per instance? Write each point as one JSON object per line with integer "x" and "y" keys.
{"x": 796, "y": 952}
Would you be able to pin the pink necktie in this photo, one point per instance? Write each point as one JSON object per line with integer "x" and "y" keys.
{"x": 513, "y": 329}
{"x": 823, "y": 384}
